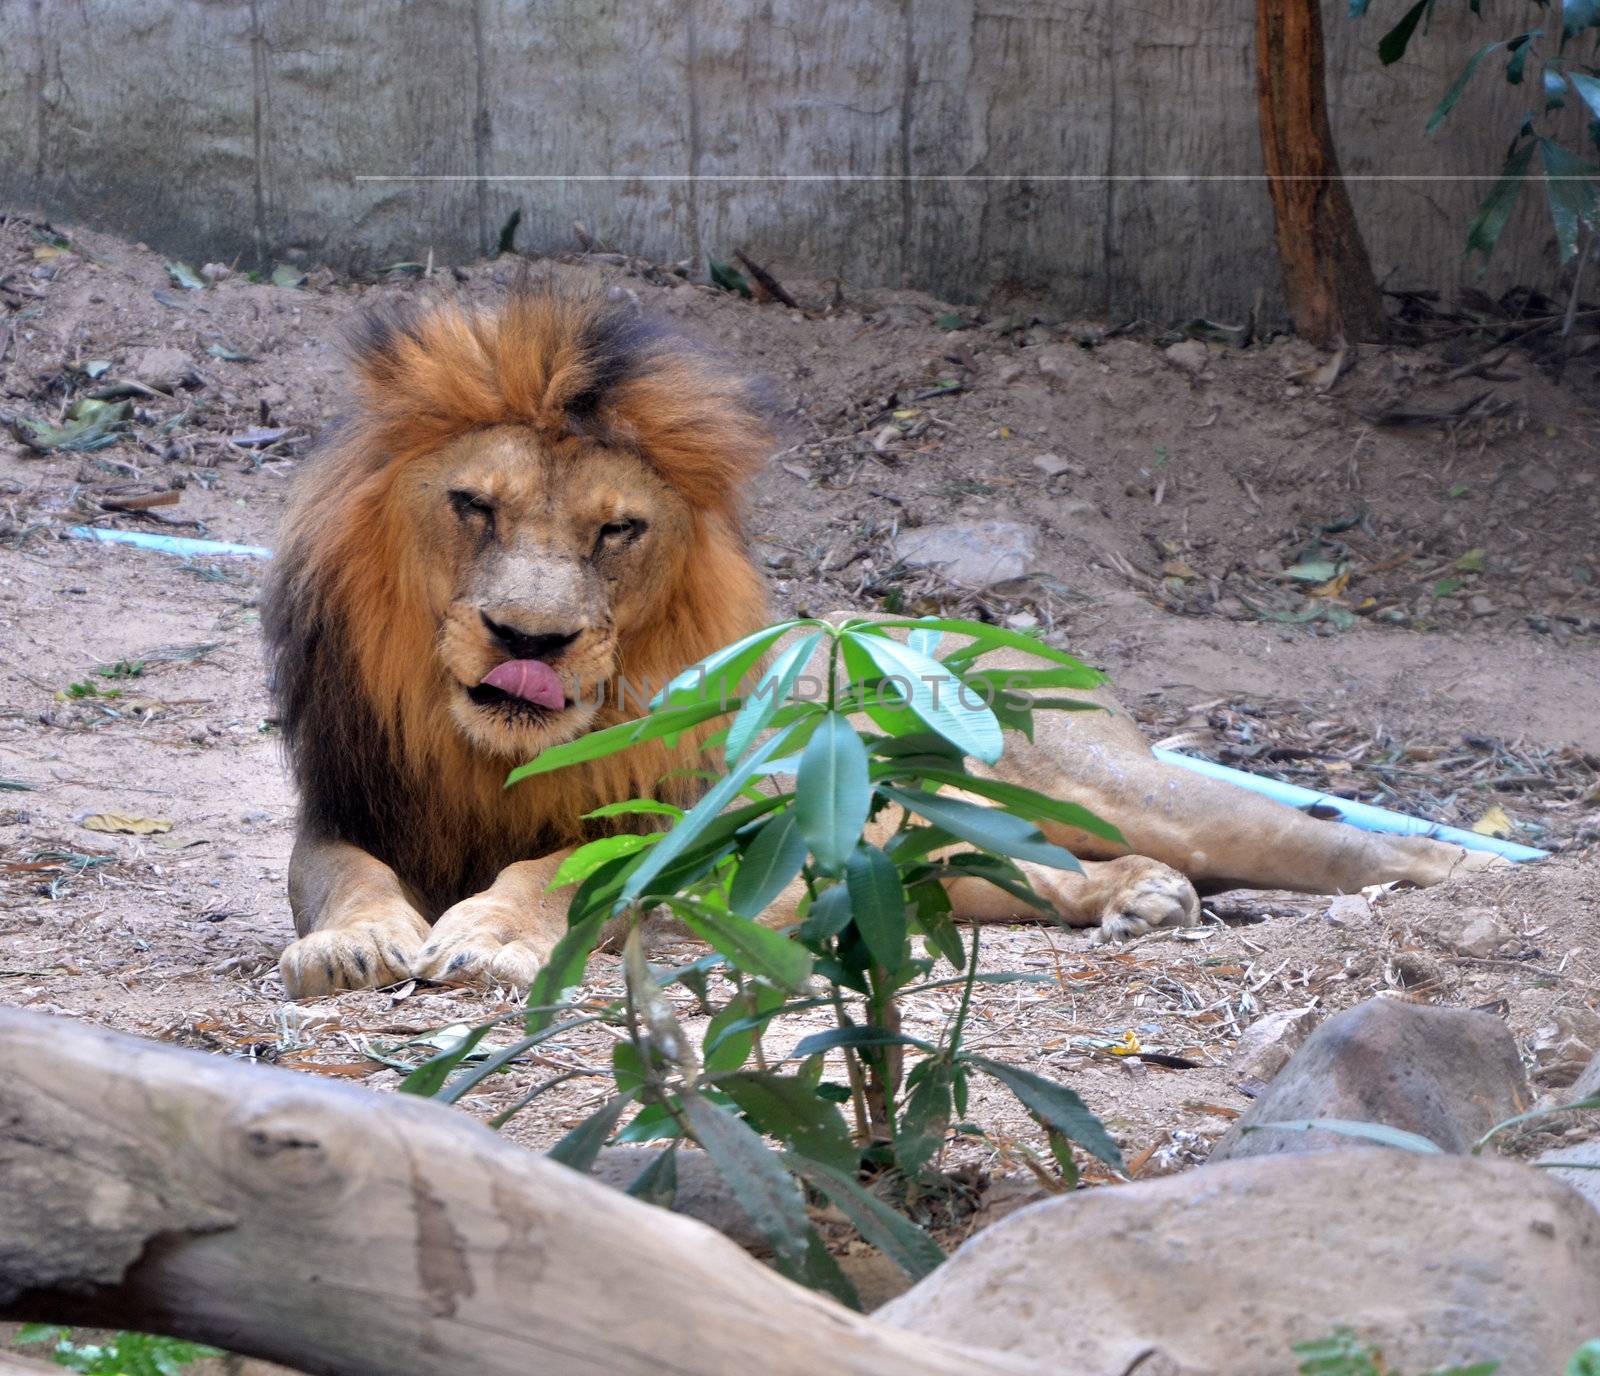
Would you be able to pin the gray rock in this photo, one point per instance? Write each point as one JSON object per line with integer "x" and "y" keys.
{"x": 1438, "y": 1260}
{"x": 1445, "y": 1073}
{"x": 1063, "y": 362}
{"x": 975, "y": 553}
{"x": 1583, "y": 1173}
{"x": 1053, "y": 466}
{"x": 1190, "y": 355}
{"x": 1564, "y": 1050}
{"x": 1469, "y": 931}
{"x": 1268, "y": 1043}
{"x": 701, "y": 1193}
{"x": 166, "y": 369}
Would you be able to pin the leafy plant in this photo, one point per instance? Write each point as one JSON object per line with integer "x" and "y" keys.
{"x": 1341, "y": 1353}
{"x": 123, "y": 1354}
{"x": 1551, "y": 54}
{"x": 857, "y": 813}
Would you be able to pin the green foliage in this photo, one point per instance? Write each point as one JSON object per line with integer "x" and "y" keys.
{"x": 799, "y": 784}
{"x": 123, "y": 1354}
{"x": 1568, "y": 174}
{"x": 1343, "y": 1354}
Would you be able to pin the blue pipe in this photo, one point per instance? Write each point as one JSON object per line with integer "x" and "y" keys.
{"x": 168, "y": 544}
{"x": 1362, "y": 815}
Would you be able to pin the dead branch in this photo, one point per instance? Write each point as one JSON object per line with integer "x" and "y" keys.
{"x": 337, "y": 1231}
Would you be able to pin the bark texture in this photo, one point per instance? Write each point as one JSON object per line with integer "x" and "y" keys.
{"x": 1327, "y": 276}
{"x": 339, "y": 1232}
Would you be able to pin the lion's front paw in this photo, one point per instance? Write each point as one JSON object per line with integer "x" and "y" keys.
{"x": 364, "y": 954}
{"x": 1154, "y": 895}
{"x": 475, "y": 941}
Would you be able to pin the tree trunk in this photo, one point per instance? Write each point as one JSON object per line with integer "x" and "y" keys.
{"x": 1327, "y": 276}
{"x": 343, "y": 1232}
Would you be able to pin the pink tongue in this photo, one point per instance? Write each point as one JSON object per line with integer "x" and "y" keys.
{"x": 532, "y": 680}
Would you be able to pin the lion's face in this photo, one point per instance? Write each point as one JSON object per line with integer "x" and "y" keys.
{"x": 541, "y": 560}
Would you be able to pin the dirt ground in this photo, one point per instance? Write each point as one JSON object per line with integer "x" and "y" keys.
{"x": 1435, "y": 648}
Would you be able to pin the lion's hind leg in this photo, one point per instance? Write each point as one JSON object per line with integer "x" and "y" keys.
{"x": 1121, "y": 898}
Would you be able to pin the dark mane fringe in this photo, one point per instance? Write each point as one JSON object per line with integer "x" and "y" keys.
{"x": 376, "y": 762}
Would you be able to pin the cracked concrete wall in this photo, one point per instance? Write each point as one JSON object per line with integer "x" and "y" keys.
{"x": 216, "y": 128}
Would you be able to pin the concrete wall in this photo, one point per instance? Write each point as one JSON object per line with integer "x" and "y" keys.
{"x": 214, "y": 128}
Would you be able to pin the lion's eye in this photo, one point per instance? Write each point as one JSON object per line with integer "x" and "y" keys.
{"x": 470, "y": 506}
{"x": 622, "y": 532}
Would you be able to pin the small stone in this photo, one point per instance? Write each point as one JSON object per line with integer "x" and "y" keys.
{"x": 1443, "y": 1073}
{"x": 1268, "y": 1042}
{"x": 1062, "y": 362}
{"x": 1469, "y": 932}
{"x": 1190, "y": 355}
{"x": 1583, "y": 1158}
{"x": 974, "y": 553}
{"x": 1347, "y": 910}
{"x": 163, "y": 368}
{"x": 1022, "y": 621}
{"x": 1010, "y": 372}
{"x": 216, "y": 272}
{"x": 1479, "y": 605}
{"x": 1564, "y": 1047}
{"x": 1053, "y": 466}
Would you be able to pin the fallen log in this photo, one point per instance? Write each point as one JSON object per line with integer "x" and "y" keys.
{"x": 342, "y": 1232}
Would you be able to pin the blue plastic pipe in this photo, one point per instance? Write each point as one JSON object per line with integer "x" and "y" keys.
{"x": 169, "y": 544}
{"x": 1362, "y": 815}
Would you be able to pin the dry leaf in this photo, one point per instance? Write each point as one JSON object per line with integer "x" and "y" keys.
{"x": 125, "y": 823}
{"x": 1495, "y": 822}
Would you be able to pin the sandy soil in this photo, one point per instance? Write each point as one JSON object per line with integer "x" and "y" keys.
{"x": 1452, "y": 671}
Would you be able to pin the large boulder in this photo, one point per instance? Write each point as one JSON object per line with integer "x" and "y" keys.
{"x": 1445, "y": 1073}
{"x": 1438, "y": 1260}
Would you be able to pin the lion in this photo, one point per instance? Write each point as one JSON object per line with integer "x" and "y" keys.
{"x": 533, "y": 501}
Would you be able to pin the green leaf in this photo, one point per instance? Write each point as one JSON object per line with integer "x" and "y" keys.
{"x": 429, "y": 1077}
{"x": 985, "y": 638}
{"x": 832, "y": 794}
{"x": 788, "y": 1108}
{"x": 755, "y": 949}
{"x": 1588, "y": 88}
{"x": 579, "y": 1147}
{"x": 563, "y": 969}
{"x": 1519, "y": 48}
{"x": 1381, "y": 1133}
{"x": 718, "y": 674}
{"x": 657, "y": 1183}
{"x": 700, "y": 816}
{"x": 987, "y": 827}
{"x": 926, "y": 1117}
{"x": 773, "y": 859}
{"x": 183, "y": 275}
{"x": 636, "y": 805}
{"x": 899, "y": 1239}
{"x": 1459, "y": 85}
{"x": 587, "y": 858}
{"x": 1569, "y": 187}
{"x": 727, "y": 277}
{"x": 935, "y": 694}
{"x": 878, "y": 904}
{"x": 769, "y": 694}
{"x": 828, "y": 915}
{"x": 1358, "y": 8}
{"x": 1576, "y": 16}
{"x": 820, "y": 1271}
{"x": 755, "y": 1176}
{"x": 1495, "y": 211}
{"x": 87, "y": 425}
{"x": 1585, "y": 1361}
{"x": 1024, "y": 802}
{"x": 730, "y": 1036}
{"x": 1055, "y": 1106}
{"x": 1555, "y": 87}
{"x": 613, "y": 739}
{"x": 1392, "y": 46}
{"x": 853, "y": 1038}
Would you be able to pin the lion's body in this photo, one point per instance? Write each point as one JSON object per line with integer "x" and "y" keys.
{"x": 549, "y": 495}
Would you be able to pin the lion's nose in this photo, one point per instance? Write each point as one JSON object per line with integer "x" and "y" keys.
{"x": 523, "y": 644}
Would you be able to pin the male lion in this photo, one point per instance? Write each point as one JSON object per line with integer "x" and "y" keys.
{"x": 532, "y": 502}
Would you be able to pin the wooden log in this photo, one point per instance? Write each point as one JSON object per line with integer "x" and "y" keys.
{"x": 342, "y": 1232}
{"x": 1327, "y": 276}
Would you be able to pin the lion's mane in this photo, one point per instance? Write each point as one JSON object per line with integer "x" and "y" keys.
{"x": 358, "y": 686}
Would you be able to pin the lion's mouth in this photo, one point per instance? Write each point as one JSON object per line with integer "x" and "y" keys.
{"x": 527, "y": 688}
